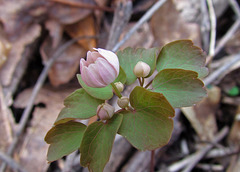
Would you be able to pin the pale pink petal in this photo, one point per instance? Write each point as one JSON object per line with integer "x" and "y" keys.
{"x": 92, "y": 56}
{"x": 106, "y": 71}
{"x": 89, "y": 78}
{"x": 110, "y": 57}
{"x": 82, "y": 63}
{"x": 96, "y": 55}
{"x": 95, "y": 71}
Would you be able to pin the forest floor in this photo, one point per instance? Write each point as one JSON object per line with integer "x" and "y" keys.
{"x": 41, "y": 43}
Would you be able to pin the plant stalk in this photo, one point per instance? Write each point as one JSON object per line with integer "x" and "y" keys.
{"x": 152, "y": 163}
{"x": 116, "y": 91}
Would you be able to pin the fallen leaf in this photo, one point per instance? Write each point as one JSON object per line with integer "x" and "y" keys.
{"x": 5, "y": 47}
{"x": 85, "y": 27}
{"x": 55, "y": 31}
{"x": 168, "y": 25}
{"x": 66, "y": 66}
{"x": 15, "y": 54}
{"x": 234, "y": 136}
{"x": 143, "y": 37}
{"x": 203, "y": 116}
{"x": 68, "y": 14}
{"x": 33, "y": 148}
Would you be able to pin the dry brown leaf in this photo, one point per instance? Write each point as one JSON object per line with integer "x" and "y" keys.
{"x": 143, "y": 37}
{"x": 234, "y": 136}
{"x": 15, "y": 54}
{"x": 168, "y": 25}
{"x": 85, "y": 27}
{"x": 68, "y": 14}
{"x": 33, "y": 148}
{"x": 202, "y": 116}
{"x": 66, "y": 66}
{"x": 98, "y": 13}
{"x": 5, "y": 47}
{"x": 55, "y": 31}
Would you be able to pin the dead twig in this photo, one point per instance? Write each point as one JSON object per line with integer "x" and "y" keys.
{"x": 11, "y": 163}
{"x": 226, "y": 37}
{"x": 121, "y": 17}
{"x": 213, "y": 76}
{"x": 144, "y": 18}
{"x": 213, "y": 22}
{"x": 205, "y": 25}
{"x": 235, "y": 7}
{"x": 221, "y": 43}
{"x": 222, "y": 152}
{"x": 191, "y": 161}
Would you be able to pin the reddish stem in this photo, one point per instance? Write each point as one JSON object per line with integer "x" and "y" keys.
{"x": 152, "y": 163}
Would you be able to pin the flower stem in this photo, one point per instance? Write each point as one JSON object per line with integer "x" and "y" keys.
{"x": 148, "y": 84}
{"x": 142, "y": 81}
{"x": 116, "y": 91}
{"x": 152, "y": 161}
{"x": 139, "y": 80}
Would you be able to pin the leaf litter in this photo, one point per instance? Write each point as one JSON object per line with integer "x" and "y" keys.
{"x": 24, "y": 22}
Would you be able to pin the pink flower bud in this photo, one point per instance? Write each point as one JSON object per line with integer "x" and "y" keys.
{"x": 100, "y": 69}
{"x": 105, "y": 111}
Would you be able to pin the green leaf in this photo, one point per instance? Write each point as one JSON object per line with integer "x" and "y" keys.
{"x": 121, "y": 77}
{"x": 97, "y": 143}
{"x": 129, "y": 57}
{"x": 64, "y": 139}
{"x": 181, "y": 87}
{"x": 150, "y": 125}
{"x": 182, "y": 54}
{"x": 104, "y": 93}
{"x": 78, "y": 105}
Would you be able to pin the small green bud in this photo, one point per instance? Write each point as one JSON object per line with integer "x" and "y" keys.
{"x": 105, "y": 111}
{"x": 123, "y": 102}
{"x": 119, "y": 86}
{"x": 141, "y": 69}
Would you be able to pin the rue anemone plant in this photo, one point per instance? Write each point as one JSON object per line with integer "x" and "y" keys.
{"x": 144, "y": 117}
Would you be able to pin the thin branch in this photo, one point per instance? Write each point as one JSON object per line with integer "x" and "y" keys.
{"x": 83, "y": 5}
{"x": 213, "y": 76}
{"x": 11, "y": 163}
{"x": 205, "y": 25}
{"x": 191, "y": 161}
{"x": 213, "y": 22}
{"x": 144, "y": 18}
{"x": 235, "y": 7}
{"x": 36, "y": 89}
{"x": 226, "y": 37}
{"x": 229, "y": 33}
{"x": 122, "y": 15}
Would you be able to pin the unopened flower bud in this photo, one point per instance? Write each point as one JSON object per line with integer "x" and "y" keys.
{"x": 105, "y": 111}
{"x": 123, "y": 102}
{"x": 119, "y": 86}
{"x": 141, "y": 69}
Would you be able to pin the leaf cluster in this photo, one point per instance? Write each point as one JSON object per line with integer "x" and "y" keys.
{"x": 147, "y": 124}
